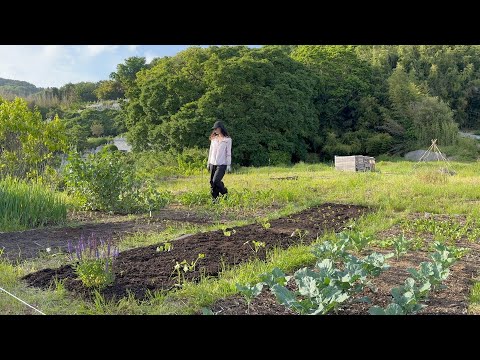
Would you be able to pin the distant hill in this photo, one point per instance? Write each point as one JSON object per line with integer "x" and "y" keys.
{"x": 9, "y": 88}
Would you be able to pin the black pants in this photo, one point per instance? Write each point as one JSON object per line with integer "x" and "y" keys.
{"x": 216, "y": 175}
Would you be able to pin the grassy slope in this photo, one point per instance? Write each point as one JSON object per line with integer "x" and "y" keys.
{"x": 396, "y": 190}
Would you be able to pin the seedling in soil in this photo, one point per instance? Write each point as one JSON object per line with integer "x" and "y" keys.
{"x": 249, "y": 292}
{"x": 228, "y": 232}
{"x": 257, "y": 245}
{"x": 358, "y": 240}
{"x": 401, "y": 245}
{"x": 165, "y": 247}
{"x": 266, "y": 225}
{"x": 300, "y": 233}
{"x": 186, "y": 267}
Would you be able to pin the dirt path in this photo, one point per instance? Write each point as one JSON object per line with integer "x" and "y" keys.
{"x": 30, "y": 243}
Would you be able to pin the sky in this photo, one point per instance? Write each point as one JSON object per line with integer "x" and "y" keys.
{"x": 57, "y": 65}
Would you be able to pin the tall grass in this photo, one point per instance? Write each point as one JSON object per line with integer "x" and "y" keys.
{"x": 26, "y": 205}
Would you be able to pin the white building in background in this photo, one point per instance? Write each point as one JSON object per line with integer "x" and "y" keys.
{"x": 121, "y": 144}
{"x": 103, "y": 106}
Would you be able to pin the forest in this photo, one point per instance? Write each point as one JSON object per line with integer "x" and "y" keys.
{"x": 282, "y": 104}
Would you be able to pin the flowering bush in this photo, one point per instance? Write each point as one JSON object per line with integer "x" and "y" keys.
{"x": 94, "y": 266}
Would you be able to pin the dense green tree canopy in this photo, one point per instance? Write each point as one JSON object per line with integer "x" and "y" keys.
{"x": 282, "y": 103}
{"x": 264, "y": 97}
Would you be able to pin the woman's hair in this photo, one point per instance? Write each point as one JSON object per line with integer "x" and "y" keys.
{"x": 222, "y": 130}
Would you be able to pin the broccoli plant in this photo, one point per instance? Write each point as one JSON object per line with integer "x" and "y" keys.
{"x": 359, "y": 241}
{"x": 406, "y": 300}
{"x": 249, "y": 292}
{"x": 401, "y": 245}
{"x": 428, "y": 276}
{"x": 330, "y": 250}
{"x": 326, "y": 287}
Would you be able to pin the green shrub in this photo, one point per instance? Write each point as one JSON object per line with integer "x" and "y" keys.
{"x": 27, "y": 143}
{"x": 377, "y": 144}
{"x": 93, "y": 142}
{"x": 106, "y": 181}
{"x": 159, "y": 164}
{"x": 110, "y": 148}
{"x": 465, "y": 150}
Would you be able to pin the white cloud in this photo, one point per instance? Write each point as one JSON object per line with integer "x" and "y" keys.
{"x": 56, "y": 65}
{"x": 149, "y": 56}
{"x": 94, "y": 50}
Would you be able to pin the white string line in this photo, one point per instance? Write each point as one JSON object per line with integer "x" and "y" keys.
{"x": 21, "y": 301}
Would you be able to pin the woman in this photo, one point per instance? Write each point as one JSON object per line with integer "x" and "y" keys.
{"x": 219, "y": 158}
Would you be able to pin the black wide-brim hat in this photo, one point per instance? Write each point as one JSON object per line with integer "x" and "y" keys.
{"x": 218, "y": 124}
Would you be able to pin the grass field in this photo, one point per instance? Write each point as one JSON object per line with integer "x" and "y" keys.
{"x": 396, "y": 190}
{"x": 28, "y": 205}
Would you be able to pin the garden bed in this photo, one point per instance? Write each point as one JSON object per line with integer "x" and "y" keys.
{"x": 30, "y": 243}
{"x": 145, "y": 269}
{"x": 453, "y": 300}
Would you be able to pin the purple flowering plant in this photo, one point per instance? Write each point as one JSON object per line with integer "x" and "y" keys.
{"x": 93, "y": 260}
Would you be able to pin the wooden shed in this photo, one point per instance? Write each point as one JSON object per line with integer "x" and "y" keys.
{"x": 355, "y": 163}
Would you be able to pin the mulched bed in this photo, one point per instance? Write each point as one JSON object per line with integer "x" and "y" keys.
{"x": 144, "y": 269}
{"x": 453, "y": 300}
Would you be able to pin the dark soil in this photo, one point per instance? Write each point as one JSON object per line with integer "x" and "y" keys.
{"x": 171, "y": 213}
{"x": 30, "y": 243}
{"x": 144, "y": 269}
{"x": 453, "y": 300}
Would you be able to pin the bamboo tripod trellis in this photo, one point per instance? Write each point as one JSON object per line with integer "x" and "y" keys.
{"x": 440, "y": 157}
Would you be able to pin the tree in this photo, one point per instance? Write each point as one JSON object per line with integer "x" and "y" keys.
{"x": 264, "y": 97}
{"x": 432, "y": 119}
{"x": 28, "y": 144}
{"x": 96, "y": 129}
{"x": 109, "y": 90}
{"x": 85, "y": 91}
{"x": 126, "y": 73}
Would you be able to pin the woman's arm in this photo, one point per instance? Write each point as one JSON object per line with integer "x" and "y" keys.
{"x": 229, "y": 151}
{"x": 209, "y": 155}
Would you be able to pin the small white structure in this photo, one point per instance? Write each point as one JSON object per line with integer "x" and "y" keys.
{"x": 355, "y": 163}
{"x": 121, "y": 144}
{"x": 100, "y": 106}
